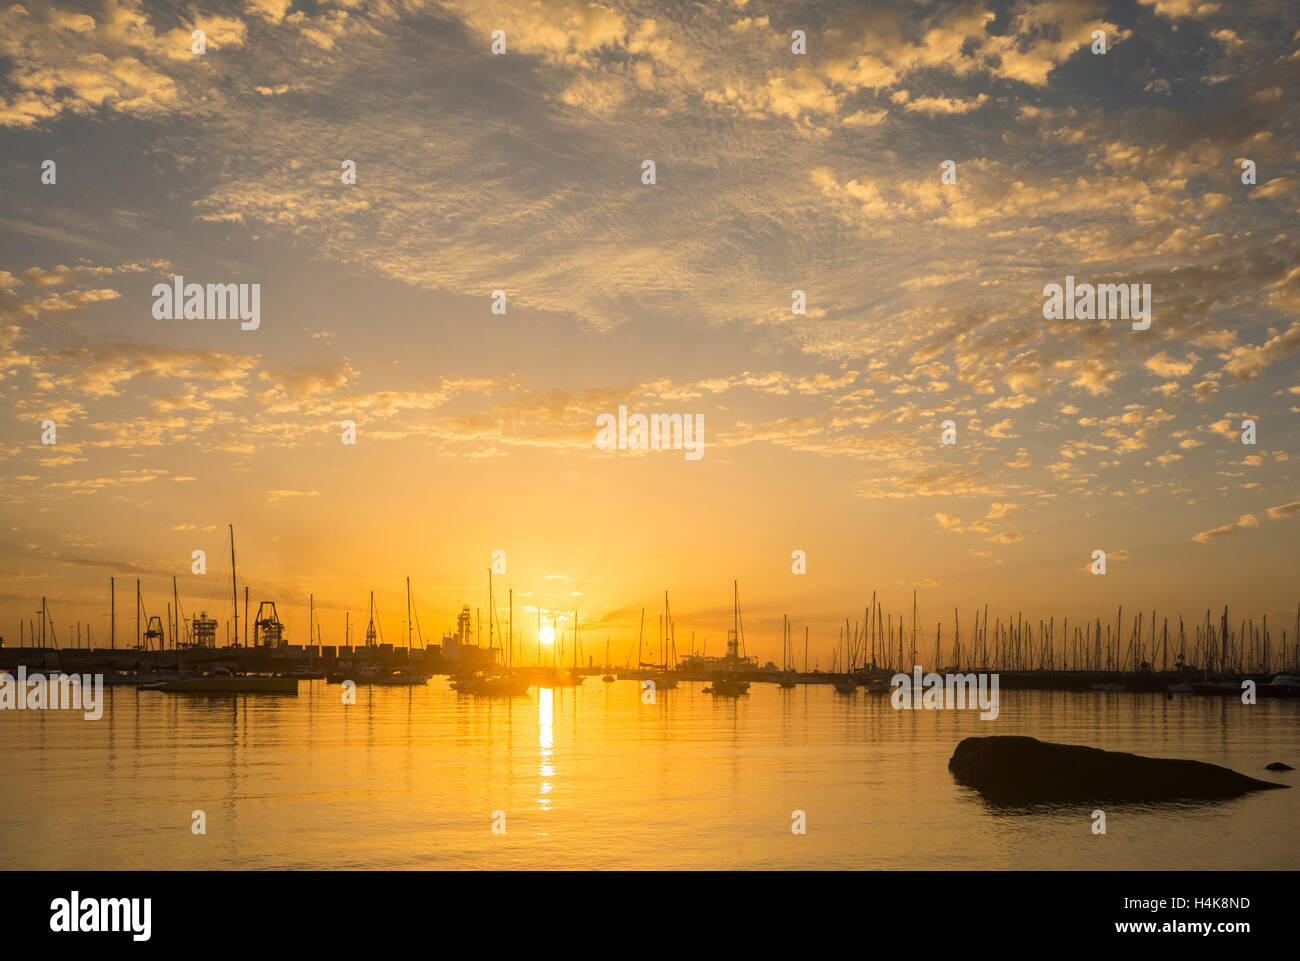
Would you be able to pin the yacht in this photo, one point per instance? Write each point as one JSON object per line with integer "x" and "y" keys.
{"x": 1284, "y": 685}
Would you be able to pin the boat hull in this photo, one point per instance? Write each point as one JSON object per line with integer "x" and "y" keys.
{"x": 229, "y": 685}
{"x": 493, "y": 686}
{"x": 728, "y": 688}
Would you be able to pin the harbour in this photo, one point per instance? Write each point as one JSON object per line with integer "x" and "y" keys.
{"x": 1212, "y": 659}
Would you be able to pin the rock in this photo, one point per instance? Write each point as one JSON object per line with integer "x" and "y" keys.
{"x": 1279, "y": 766}
{"x": 1018, "y": 770}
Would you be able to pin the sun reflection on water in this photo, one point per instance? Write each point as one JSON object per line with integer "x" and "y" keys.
{"x": 545, "y": 743}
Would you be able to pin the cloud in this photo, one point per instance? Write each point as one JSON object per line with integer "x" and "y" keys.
{"x": 1176, "y": 9}
{"x": 945, "y": 106}
{"x": 775, "y": 172}
{"x": 1009, "y": 537}
{"x": 104, "y": 371}
{"x": 1246, "y": 520}
{"x": 1245, "y": 363}
{"x": 1162, "y": 365}
{"x": 278, "y": 495}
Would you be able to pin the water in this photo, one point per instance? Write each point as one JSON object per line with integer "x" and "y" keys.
{"x": 593, "y": 778}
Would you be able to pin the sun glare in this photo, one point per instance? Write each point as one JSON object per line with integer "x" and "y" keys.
{"x": 546, "y": 635}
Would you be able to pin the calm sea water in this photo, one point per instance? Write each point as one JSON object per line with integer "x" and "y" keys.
{"x": 593, "y": 778}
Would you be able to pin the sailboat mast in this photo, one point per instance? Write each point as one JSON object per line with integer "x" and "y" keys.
{"x": 234, "y": 589}
{"x": 663, "y": 644}
{"x": 491, "y": 607}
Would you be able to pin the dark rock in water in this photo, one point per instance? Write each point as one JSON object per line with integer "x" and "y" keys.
{"x": 1017, "y": 770}
{"x": 1279, "y": 766}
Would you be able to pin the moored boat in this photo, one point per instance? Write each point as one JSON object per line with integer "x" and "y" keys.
{"x": 222, "y": 681}
{"x": 1284, "y": 685}
{"x": 494, "y": 685}
{"x": 1217, "y": 689}
{"x": 558, "y": 678}
{"x": 400, "y": 678}
{"x": 727, "y": 687}
{"x": 139, "y": 679}
{"x": 363, "y": 674}
{"x": 729, "y": 684}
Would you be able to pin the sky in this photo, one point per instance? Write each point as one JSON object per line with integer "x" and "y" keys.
{"x": 524, "y": 172}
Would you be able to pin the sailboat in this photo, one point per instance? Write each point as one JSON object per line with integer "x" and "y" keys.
{"x": 845, "y": 684}
{"x": 574, "y": 677}
{"x": 728, "y": 682}
{"x": 608, "y": 678}
{"x": 842, "y": 678}
{"x": 786, "y": 678}
{"x": 495, "y": 684}
{"x": 665, "y": 678}
{"x": 367, "y": 668}
{"x": 640, "y": 673}
{"x": 309, "y": 673}
{"x": 412, "y": 673}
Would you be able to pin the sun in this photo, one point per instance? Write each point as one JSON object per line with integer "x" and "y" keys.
{"x": 546, "y": 635}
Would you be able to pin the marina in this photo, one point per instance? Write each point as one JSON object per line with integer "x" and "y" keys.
{"x": 1212, "y": 659}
